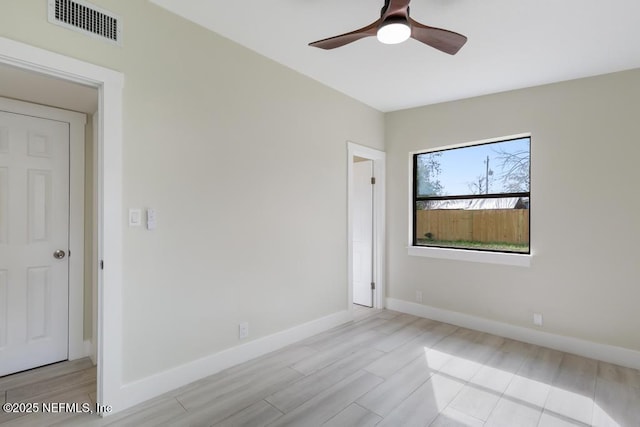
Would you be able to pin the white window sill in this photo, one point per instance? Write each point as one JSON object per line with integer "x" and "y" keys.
{"x": 520, "y": 260}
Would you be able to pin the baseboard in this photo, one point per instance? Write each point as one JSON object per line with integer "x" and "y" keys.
{"x": 88, "y": 346}
{"x": 155, "y": 385}
{"x": 606, "y": 353}
{"x": 86, "y": 351}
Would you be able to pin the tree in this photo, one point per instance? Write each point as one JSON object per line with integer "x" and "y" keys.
{"x": 515, "y": 170}
{"x": 427, "y": 175}
{"x": 477, "y": 186}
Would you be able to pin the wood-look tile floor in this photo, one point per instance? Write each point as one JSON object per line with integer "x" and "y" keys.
{"x": 383, "y": 369}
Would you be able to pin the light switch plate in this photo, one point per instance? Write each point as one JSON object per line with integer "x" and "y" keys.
{"x": 135, "y": 217}
{"x": 151, "y": 219}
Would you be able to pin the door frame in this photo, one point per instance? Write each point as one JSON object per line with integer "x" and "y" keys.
{"x": 75, "y": 345}
{"x": 110, "y": 221}
{"x": 379, "y": 169}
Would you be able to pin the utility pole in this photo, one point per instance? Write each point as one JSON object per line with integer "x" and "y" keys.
{"x": 486, "y": 178}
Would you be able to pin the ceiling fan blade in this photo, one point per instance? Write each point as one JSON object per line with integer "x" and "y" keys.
{"x": 444, "y": 40}
{"x": 343, "y": 39}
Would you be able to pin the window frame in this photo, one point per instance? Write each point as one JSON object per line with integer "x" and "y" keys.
{"x": 465, "y": 254}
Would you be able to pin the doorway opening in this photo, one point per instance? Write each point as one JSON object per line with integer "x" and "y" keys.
{"x": 42, "y": 197}
{"x": 108, "y": 190}
{"x": 366, "y": 216}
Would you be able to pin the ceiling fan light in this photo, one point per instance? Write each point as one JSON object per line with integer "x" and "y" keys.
{"x": 394, "y": 32}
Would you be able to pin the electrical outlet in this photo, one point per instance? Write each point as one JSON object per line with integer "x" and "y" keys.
{"x": 419, "y": 296}
{"x": 243, "y": 330}
{"x": 537, "y": 319}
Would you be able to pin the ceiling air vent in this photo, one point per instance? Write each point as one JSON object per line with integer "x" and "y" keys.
{"x": 87, "y": 19}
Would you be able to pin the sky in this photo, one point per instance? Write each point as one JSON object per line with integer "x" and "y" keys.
{"x": 461, "y": 167}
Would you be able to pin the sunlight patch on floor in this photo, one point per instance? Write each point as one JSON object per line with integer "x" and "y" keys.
{"x": 524, "y": 397}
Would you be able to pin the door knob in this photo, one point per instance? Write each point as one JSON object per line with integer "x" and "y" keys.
{"x": 59, "y": 254}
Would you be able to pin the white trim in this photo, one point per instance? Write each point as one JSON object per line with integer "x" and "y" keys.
{"x": 95, "y": 239}
{"x": 604, "y": 352}
{"x": 379, "y": 172}
{"x": 147, "y": 388}
{"x": 87, "y": 344}
{"x": 110, "y": 221}
{"x": 76, "y": 121}
{"x": 76, "y": 238}
{"x": 520, "y": 260}
{"x": 469, "y": 144}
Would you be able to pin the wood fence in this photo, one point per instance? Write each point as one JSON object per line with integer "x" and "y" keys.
{"x": 491, "y": 225}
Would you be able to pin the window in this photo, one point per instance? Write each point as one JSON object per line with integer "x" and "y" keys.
{"x": 473, "y": 197}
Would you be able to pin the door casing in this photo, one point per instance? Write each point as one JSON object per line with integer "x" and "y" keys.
{"x": 378, "y": 157}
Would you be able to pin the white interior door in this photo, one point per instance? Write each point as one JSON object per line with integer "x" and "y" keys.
{"x": 362, "y": 233}
{"x": 34, "y": 224}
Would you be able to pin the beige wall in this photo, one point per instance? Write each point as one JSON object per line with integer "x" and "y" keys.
{"x": 584, "y": 208}
{"x": 213, "y": 134}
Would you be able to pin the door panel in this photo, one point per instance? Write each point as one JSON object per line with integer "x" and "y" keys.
{"x": 362, "y": 233}
{"x": 39, "y": 205}
{"x": 34, "y": 223}
{"x": 38, "y": 303}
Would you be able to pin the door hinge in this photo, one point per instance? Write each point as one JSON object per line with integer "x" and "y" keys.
{"x": 101, "y": 265}
{"x": 69, "y": 253}
{"x": 373, "y": 180}
{"x": 373, "y": 286}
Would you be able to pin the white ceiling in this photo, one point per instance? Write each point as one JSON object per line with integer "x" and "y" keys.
{"x": 512, "y": 43}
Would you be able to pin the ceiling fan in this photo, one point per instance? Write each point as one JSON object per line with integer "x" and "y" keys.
{"x": 395, "y": 26}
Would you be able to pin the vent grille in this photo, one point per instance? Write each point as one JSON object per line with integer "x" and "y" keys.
{"x": 86, "y": 18}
